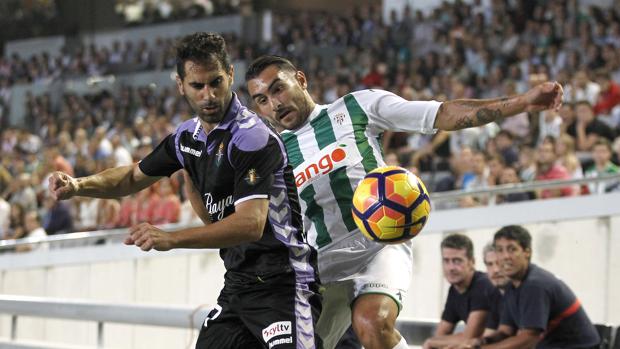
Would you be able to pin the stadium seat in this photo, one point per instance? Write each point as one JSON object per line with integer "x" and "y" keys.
{"x": 605, "y": 332}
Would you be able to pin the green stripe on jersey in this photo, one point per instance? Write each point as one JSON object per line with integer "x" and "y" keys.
{"x": 295, "y": 157}
{"x": 360, "y": 123}
{"x": 313, "y": 211}
{"x": 338, "y": 180}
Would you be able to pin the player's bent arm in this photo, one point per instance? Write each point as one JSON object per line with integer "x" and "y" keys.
{"x": 524, "y": 339}
{"x": 195, "y": 200}
{"x": 245, "y": 225}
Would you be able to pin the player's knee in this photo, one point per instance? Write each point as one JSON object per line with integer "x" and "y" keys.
{"x": 370, "y": 324}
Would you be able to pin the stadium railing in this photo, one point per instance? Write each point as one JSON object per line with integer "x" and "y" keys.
{"x": 494, "y": 191}
{"x": 414, "y": 330}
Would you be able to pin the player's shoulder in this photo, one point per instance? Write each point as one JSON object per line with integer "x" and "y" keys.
{"x": 250, "y": 133}
{"x": 369, "y": 94}
{"x": 191, "y": 125}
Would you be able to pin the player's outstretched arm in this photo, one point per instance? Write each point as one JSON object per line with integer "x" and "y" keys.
{"x": 463, "y": 113}
{"x": 107, "y": 184}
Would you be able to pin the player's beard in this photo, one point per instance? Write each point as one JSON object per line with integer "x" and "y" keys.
{"x": 210, "y": 116}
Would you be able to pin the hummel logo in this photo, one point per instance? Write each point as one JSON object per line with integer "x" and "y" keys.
{"x": 189, "y": 150}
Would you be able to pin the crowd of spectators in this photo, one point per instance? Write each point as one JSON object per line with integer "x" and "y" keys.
{"x": 483, "y": 50}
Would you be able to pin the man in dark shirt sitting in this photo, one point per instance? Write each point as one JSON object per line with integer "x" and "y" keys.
{"x": 500, "y": 281}
{"x": 540, "y": 311}
{"x": 470, "y": 295}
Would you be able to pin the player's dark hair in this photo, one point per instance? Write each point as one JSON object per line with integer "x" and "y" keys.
{"x": 459, "y": 242}
{"x": 202, "y": 48}
{"x": 516, "y": 233}
{"x": 263, "y": 62}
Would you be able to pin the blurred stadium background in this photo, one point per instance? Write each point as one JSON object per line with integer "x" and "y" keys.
{"x": 88, "y": 84}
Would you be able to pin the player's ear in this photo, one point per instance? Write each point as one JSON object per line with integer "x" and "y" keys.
{"x": 179, "y": 84}
{"x": 231, "y": 74}
{"x": 301, "y": 78}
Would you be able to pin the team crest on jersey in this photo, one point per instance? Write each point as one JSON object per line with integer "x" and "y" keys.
{"x": 219, "y": 154}
{"x": 252, "y": 177}
{"x": 339, "y": 118}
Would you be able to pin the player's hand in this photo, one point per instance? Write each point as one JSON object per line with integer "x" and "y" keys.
{"x": 62, "y": 186}
{"x": 147, "y": 237}
{"x": 547, "y": 95}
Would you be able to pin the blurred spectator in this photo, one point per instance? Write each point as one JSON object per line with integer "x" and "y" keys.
{"x": 109, "y": 210}
{"x": 549, "y": 169}
{"x": 17, "y": 228}
{"x": 86, "y": 212}
{"x": 21, "y": 192}
{"x": 582, "y": 89}
{"x": 57, "y": 218}
{"x": 588, "y": 129}
{"x": 509, "y": 176}
{"x": 504, "y": 143}
{"x": 550, "y": 124}
{"x": 602, "y": 166}
{"x": 33, "y": 229}
{"x": 167, "y": 209}
{"x": 609, "y": 96}
{"x": 567, "y": 157}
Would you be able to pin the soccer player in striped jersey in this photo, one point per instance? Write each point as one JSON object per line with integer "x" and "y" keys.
{"x": 331, "y": 148}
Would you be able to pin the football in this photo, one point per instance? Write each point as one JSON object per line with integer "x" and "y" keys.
{"x": 391, "y": 205}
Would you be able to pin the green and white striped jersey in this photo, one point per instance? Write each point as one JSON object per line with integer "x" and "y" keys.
{"x": 331, "y": 153}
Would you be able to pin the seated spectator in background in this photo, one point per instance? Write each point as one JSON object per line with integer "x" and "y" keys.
{"x": 588, "y": 129}
{"x": 167, "y": 209}
{"x": 33, "y": 230}
{"x": 609, "y": 96}
{"x": 602, "y": 166}
{"x": 549, "y": 124}
{"x": 539, "y": 310}
{"x": 128, "y": 210}
{"x": 480, "y": 180}
{"x": 504, "y": 142}
{"x": 496, "y": 164}
{"x": 565, "y": 151}
{"x": 146, "y": 201}
{"x": 495, "y": 273}
{"x": 21, "y": 192}
{"x": 509, "y": 176}
{"x": 470, "y": 296}
{"x": 86, "y": 212}
{"x": 582, "y": 88}
{"x": 57, "y": 218}
{"x": 548, "y": 169}
{"x": 567, "y": 114}
{"x": 527, "y": 163}
{"x": 16, "y": 227}
{"x": 108, "y": 213}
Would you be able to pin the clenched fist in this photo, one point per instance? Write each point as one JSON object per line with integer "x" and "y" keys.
{"x": 62, "y": 186}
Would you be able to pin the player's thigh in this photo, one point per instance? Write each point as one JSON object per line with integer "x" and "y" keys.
{"x": 336, "y": 315}
{"x": 388, "y": 274}
{"x": 224, "y": 329}
{"x": 282, "y": 314}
